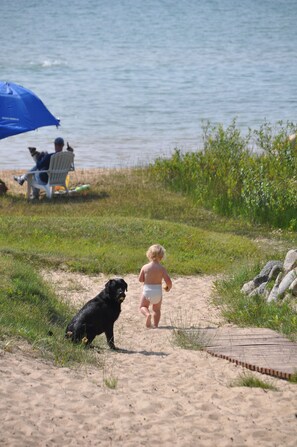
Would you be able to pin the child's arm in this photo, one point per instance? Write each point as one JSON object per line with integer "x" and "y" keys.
{"x": 167, "y": 280}
{"x": 141, "y": 276}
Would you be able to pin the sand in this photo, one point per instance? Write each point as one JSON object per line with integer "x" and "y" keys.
{"x": 164, "y": 395}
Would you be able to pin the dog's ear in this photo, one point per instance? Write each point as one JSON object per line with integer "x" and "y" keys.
{"x": 32, "y": 150}
{"x": 123, "y": 283}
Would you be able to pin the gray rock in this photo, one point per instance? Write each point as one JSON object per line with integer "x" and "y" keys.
{"x": 287, "y": 281}
{"x": 290, "y": 261}
{"x": 248, "y": 287}
{"x": 293, "y": 287}
{"x": 274, "y": 292}
{"x": 261, "y": 290}
{"x": 266, "y": 294}
{"x": 287, "y": 297}
{"x": 279, "y": 279}
{"x": 266, "y": 270}
{"x": 276, "y": 269}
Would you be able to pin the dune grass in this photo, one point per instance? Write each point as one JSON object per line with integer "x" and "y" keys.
{"x": 194, "y": 339}
{"x": 29, "y": 310}
{"x": 111, "y": 382}
{"x": 249, "y": 380}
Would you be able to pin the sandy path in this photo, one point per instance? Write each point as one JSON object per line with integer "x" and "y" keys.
{"x": 165, "y": 396}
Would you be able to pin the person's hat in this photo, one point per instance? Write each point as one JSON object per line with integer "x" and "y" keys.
{"x": 59, "y": 140}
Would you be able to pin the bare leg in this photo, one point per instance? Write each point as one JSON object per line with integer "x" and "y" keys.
{"x": 144, "y": 309}
{"x": 157, "y": 313}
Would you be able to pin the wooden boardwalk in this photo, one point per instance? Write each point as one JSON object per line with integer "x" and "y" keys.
{"x": 258, "y": 349}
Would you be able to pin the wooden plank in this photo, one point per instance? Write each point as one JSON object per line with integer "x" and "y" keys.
{"x": 281, "y": 350}
{"x": 261, "y": 350}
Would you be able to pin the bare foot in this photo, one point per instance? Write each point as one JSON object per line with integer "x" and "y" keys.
{"x": 148, "y": 322}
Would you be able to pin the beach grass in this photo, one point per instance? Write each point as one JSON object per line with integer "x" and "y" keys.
{"x": 111, "y": 382}
{"x": 30, "y": 311}
{"x": 193, "y": 339}
{"x": 249, "y": 380}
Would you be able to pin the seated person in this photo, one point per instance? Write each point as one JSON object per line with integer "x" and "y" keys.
{"x": 42, "y": 164}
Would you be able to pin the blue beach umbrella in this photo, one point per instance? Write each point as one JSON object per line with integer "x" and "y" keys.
{"x": 21, "y": 111}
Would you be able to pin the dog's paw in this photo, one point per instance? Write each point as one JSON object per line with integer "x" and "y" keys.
{"x": 84, "y": 340}
{"x": 69, "y": 334}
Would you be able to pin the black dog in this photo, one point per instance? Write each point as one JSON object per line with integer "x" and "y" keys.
{"x": 99, "y": 314}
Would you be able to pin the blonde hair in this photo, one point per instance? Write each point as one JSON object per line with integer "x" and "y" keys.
{"x": 155, "y": 252}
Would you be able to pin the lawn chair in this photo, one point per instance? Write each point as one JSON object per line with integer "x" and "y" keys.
{"x": 60, "y": 164}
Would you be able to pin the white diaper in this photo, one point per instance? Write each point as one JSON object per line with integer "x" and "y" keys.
{"x": 152, "y": 292}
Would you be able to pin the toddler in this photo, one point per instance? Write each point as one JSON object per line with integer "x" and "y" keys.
{"x": 151, "y": 275}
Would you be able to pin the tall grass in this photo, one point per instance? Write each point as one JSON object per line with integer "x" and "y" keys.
{"x": 252, "y": 176}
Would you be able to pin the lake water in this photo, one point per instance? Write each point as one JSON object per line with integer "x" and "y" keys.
{"x": 131, "y": 80}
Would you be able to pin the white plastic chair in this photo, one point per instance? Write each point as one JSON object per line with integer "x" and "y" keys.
{"x": 60, "y": 164}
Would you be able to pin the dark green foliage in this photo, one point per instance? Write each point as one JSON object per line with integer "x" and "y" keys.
{"x": 252, "y": 176}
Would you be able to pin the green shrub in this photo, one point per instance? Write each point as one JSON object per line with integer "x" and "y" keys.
{"x": 252, "y": 176}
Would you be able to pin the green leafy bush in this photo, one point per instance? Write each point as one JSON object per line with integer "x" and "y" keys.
{"x": 252, "y": 176}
